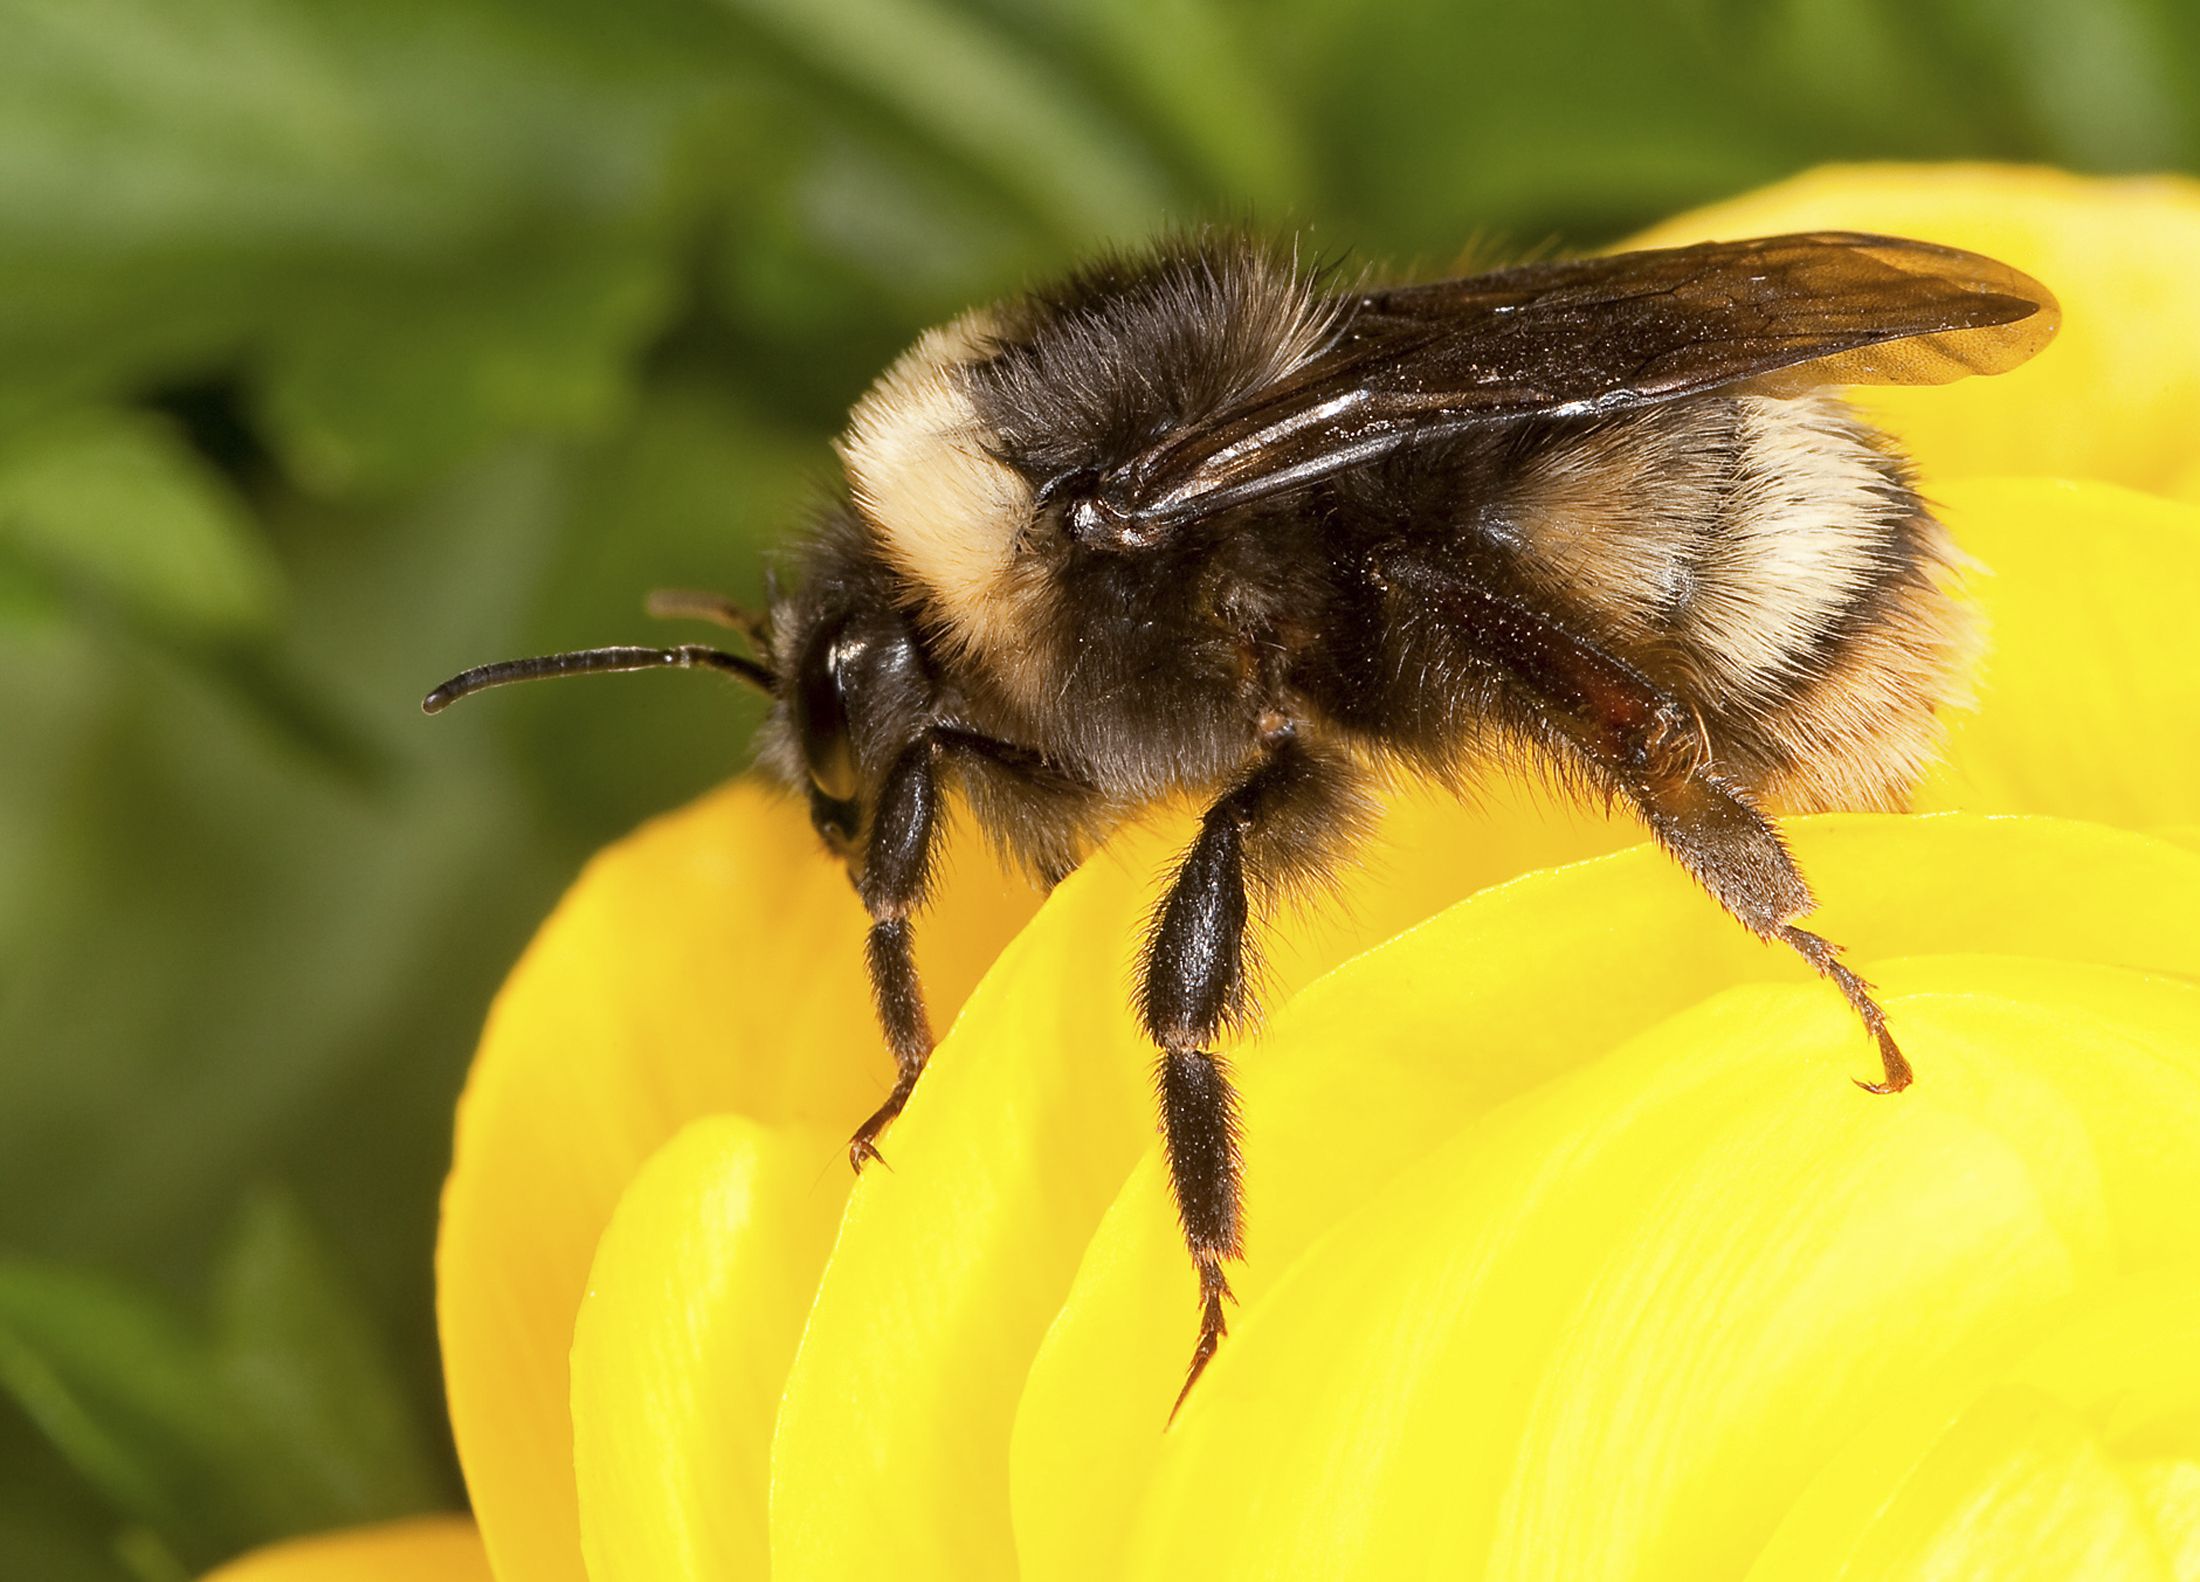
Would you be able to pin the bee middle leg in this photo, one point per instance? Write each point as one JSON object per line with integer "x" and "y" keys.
{"x": 1195, "y": 983}
{"x": 1637, "y": 740}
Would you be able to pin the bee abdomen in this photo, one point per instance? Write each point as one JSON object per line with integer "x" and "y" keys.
{"x": 1769, "y": 561}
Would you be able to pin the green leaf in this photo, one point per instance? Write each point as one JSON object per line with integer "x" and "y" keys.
{"x": 124, "y": 1392}
{"x": 408, "y": 375}
{"x": 995, "y": 104}
{"x": 1189, "y": 67}
{"x": 290, "y": 1419}
{"x": 34, "y": 1543}
{"x": 244, "y": 180}
{"x": 116, "y": 505}
{"x": 310, "y": 1377}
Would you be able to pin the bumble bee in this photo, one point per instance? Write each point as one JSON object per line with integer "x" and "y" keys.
{"x": 1201, "y": 522}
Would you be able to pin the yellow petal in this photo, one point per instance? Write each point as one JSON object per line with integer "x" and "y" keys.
{"x": 2115, "y": 396}
{"x": 950, "y": 1264}
{"x": 1389, "y": 1058}
{"x": 2088, "y": 697}
{"x": 1657, "y": 1290}
{"x": 632, "y": 1023}
{"x": 999, "y": 1170}
{"x": 890, "y": 1457}
{"x": 422, "y": 1549}
{"x": 2018, "y": 1490}
{"x": 2090, "y": 1437}
{"x": 710, "y": 964}
{"x": 700, "y": 1286}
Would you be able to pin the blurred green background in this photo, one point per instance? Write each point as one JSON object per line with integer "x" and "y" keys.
{"x": 344, "y": 343}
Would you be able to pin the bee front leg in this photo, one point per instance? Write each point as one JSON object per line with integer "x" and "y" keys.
{"x": 897, "y": 874}
{"x": 897, "y": 871}
{"x": 1195, "y": 984}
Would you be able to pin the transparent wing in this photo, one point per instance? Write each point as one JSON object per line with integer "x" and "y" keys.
{"x": 1594, "y": 335}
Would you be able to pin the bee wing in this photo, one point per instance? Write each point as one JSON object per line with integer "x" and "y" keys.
{"x": 1580, "y": 337}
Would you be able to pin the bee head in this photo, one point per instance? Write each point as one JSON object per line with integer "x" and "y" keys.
{"x": 852, "y": 695}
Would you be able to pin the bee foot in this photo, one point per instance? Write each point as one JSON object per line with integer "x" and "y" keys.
{"x": 862, "y": 1151}
{"x": 1895, "y": 1073}
{"x": 1213, "y": 1289}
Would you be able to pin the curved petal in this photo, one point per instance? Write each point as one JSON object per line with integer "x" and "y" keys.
{"x": 1659, "y": 1289}
{"x": 613, "y": 1035}
{"x": 2088, "y": 694}
{"x": 2114, "y": 396}
{"x": 1386, "y": 1060}
{"x": 1033, "y": 1112}
{"x": 888, "y": 1457}
{"x": 951, "y": 1264}
{"x": 420, "y": 1549}
{"x": 709, "y": 964}
{"x": 2082, "y": 1447}
{"x": 697, "y": 1296}
{"x": 2019, "y": 1488}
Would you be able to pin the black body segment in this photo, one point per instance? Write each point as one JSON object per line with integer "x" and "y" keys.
{"x": 1195, "y": 969}
{"x": 897, "y": 863}
{"x": 894, "y": 876}
{"x": 1200, "y": 1130}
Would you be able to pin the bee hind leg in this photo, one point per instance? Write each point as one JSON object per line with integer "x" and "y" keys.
{"x": 1637, "y": 740}
{"x": 1734, "y": 851}
{"x": 1894, "y": 1067}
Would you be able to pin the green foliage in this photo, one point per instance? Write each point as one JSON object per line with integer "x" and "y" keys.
{"x": 282, "y": 1416}
{"x": 344, "y": 343}
{"x": 115, "y": 507}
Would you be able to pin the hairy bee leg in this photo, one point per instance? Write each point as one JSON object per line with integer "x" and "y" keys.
{"x": 1641, "y": 742}
{"x": 897, "y": 874}
{"x": 1200, "y": 1125}
{"x": 1735, "y": 852}
{"x": 1895, "y": 1073}
{"x": 1194, "y": 985}
{"x": 897, "y": 871}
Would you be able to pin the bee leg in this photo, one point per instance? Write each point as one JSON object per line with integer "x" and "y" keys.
{"x": 897, "y": 871}
{"x": 1736, "y": 853}
{"x": 1637, "y": 740}
{"x": 1195, "y": 984}
{"x": 897, "y": 874}
{"x": 1199, "y": 1121}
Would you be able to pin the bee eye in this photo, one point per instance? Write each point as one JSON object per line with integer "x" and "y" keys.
{"x": 820, "y": 706}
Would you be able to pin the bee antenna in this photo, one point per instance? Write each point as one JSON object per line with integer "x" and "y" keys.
{"x": 682, "y": 604}
{"x": 594, "y": 661}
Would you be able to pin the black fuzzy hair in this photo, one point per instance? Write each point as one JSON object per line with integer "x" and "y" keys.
{"x": 1093, "y": 368}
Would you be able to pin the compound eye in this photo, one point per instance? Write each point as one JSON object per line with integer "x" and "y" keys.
{"x": 821, "y": 714}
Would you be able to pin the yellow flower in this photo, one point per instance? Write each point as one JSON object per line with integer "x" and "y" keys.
{"x": 1572, "y": 1253}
